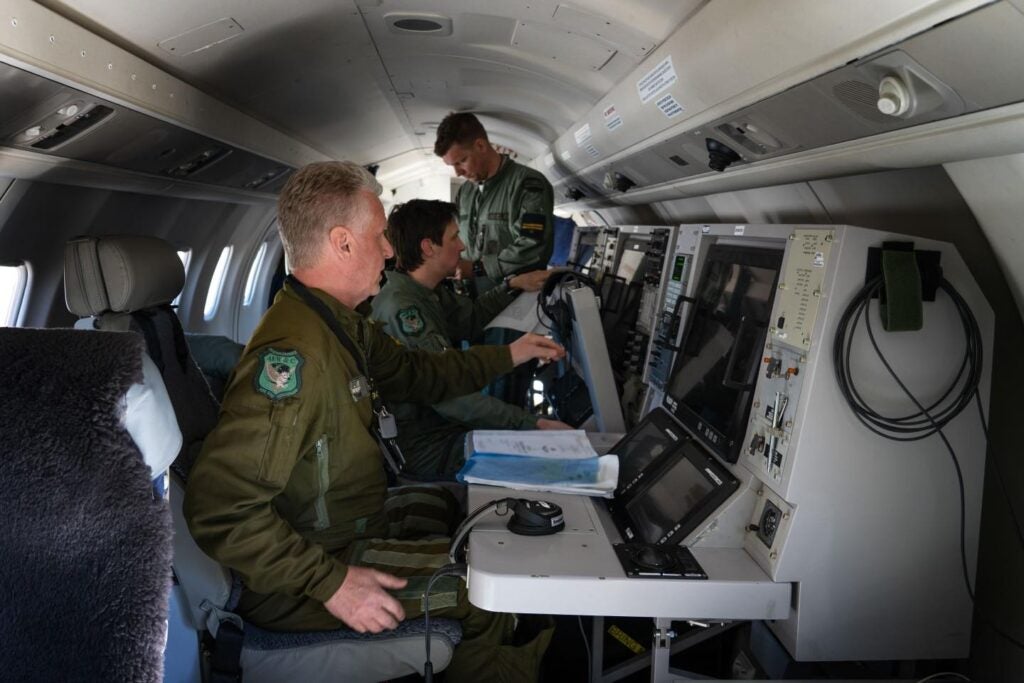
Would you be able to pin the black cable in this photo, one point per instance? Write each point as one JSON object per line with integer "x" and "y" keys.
{"x": 454, "y": 569}
{"x": 920, "y": 425}
{"x": 926, "y": 421}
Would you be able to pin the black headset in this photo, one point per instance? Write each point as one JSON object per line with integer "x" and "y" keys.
{"x": 554, "y": 307}
{"x": 529, "y": 518}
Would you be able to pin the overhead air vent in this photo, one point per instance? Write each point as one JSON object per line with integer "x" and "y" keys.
{"x": 860, "y": 98}
{"x": 202, "y": 160}
{"x": 418, "y": 23}
{"x": 265, "y": 178}
{"x": 720, "y": 156}
{"x": 751, "y": 137}
{"x": 73, "y": 127}
{"x": 574, "y": 194}
{"x": 613, "y": 180}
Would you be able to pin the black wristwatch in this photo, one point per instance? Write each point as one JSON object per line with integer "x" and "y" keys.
{"x": 507, "y": 282}
{"x": 478, "y": 269}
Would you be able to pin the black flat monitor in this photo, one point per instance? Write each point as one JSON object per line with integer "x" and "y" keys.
{"x": 656, "y": 436}
{"x": 712, "y": 382}
{"x": 678, "y": 493}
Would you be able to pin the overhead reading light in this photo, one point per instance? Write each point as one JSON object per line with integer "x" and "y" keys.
{"x": 421, "y": 23}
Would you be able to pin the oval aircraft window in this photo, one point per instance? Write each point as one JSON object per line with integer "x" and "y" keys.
{"x": 13, "y": 290}
{"x": 254, "y": 271}
{"x": 217, "y": 283}
{"x": 185, "y": 256}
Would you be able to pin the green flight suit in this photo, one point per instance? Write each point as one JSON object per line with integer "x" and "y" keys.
{"x": 506, "y": 222}
{"x": 432, "y": 438}
{"x": 289, "y": 488}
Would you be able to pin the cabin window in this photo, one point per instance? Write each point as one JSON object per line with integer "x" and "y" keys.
{"x": 13, "y": 290}
{"x": 186, "y": 258}
{"x": 254, "y": 271}
{"x": 217, "y": 283}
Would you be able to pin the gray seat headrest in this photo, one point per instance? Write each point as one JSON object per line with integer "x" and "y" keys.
{"x": 120, "y": 273}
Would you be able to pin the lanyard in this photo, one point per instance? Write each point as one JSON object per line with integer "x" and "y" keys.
{"x": 386, "y": 428}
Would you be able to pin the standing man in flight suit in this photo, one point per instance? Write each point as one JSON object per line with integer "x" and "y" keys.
{"x": 505, "y": 211}
{"x": 505, "y": 219}
{"x": 289, "y": 490}
{"x": 417, "y": 310}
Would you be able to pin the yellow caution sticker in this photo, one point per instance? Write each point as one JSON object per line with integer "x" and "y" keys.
{"x": 623, "y": 637}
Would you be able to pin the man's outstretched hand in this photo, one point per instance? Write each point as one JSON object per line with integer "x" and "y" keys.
{"x": 531, "y": 346}
{"x": 363, "y": 603}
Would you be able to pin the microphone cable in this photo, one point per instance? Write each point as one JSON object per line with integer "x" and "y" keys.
{"x": 453, "y": 569}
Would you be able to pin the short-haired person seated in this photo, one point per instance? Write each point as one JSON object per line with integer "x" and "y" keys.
{"x": 422, "y": 313}
{"x": 290, "y": 491}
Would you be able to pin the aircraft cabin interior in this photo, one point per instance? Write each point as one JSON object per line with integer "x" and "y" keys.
{"x": 786, "y": 271}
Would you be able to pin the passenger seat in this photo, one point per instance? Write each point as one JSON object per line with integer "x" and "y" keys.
{"x": 127, "y": 283}
{"x": 87, "y": 546}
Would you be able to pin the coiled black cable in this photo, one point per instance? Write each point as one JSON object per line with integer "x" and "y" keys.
{"x": 927, "y": 420}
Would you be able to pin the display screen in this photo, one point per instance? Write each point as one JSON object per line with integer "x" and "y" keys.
{"x": 631, "y": 265}
{"x": 711, "y": 383}
{"x": 581, "y": 257}
{"x": 641, "y": 447}
{"x": 677, "y": 268}
{"x": 584, "y": 254}
{"x": 674, "y": 496}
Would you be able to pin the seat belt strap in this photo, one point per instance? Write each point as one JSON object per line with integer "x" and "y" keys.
{"x": 225, "y": 660}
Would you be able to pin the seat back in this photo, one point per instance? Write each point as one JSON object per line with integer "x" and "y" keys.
{"x": 127, "y": 282}
{"x": 86, "y": 569}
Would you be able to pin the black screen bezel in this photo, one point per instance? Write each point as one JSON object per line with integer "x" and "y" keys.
{"x": 700, "y": 459}
{"x": 674, "y": 437}
{"x": 726, "y": 445}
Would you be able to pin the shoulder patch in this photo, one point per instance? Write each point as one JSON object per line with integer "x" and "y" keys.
{"x": 278, "y": 376}
{"x": 533, "y": 222}
{"x": 410, "y": 321}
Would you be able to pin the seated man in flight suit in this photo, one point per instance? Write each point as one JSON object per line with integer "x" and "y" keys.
{"x": 290, "y": 491}
{"x": 418, "y": 310}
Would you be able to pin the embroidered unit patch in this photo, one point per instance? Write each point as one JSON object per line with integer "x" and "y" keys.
{"x": 278, "y": 375}
{"x": 410, "y": 321}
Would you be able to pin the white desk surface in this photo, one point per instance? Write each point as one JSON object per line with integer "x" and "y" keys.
{"x": 576, "y": 571}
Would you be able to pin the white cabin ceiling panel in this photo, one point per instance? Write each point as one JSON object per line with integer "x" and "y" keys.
{"x": 621, "y": 36}
{"x": 203, "y": 37}
{"x": 333, "y": 74}
{"x": 574, "y": 49}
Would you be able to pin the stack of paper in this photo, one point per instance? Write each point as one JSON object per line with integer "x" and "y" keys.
{"x": 560, "y": 461}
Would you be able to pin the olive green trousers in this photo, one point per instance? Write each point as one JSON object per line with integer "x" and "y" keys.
{"x": 491, "y": 649}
